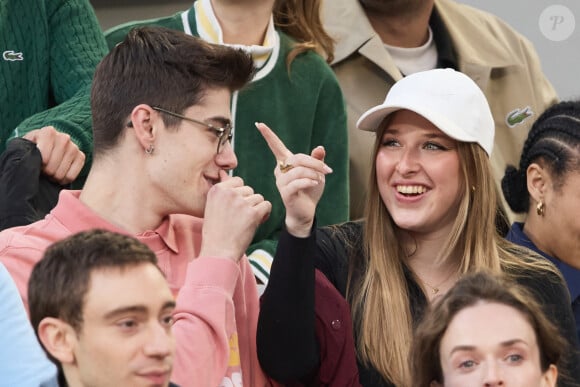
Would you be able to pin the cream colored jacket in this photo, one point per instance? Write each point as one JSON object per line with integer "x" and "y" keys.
{"x": 501, "y": 61}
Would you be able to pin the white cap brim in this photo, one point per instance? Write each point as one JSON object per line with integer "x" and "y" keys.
{"x": 448, "y": 99}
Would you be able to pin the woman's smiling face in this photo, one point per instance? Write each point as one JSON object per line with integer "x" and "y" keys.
{"x": 418, "y": 174}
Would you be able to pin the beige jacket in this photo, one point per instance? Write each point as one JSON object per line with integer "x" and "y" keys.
{"x": 500, "y": 60}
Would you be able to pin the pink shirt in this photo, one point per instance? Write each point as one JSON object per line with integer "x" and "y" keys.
{"x": 217, "y": 300}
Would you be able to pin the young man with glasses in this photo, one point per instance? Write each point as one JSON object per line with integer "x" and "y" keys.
{"x": 161, "y": 113}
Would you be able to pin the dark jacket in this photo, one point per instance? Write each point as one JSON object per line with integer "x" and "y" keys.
{"x": 287, "y": 333}
{"x": 571, "y": 275}
{"x": 26, "y": 195}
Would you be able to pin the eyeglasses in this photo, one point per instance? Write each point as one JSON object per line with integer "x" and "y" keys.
{"x": 224, "y": 134}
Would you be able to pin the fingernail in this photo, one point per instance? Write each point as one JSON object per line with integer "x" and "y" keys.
{"x": 327, "y": 169}
{"x": 257, "y": 123}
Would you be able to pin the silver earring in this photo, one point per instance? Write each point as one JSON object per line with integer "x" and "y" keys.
{"x": 150, "y": 149}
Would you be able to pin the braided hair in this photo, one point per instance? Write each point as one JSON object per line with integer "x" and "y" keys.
{"x": 554, "y": 140}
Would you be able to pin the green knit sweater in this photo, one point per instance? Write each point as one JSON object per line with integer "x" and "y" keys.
{"x": 49, "y": 50}
{"x": 304, "y": 107}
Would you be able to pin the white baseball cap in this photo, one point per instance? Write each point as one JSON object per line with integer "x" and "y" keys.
{"x": 449, "y": 99}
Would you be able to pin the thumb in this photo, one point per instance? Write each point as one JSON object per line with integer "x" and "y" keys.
{"x": 318, "y": 153}
{"x": 224, "y": 175}
{"x": 31, "y": 135}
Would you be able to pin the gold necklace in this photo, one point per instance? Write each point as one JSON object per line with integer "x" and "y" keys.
{"x": 435, "y": 289}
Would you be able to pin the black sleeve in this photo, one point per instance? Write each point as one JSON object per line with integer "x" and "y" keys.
{"x": 336, "y": 247}
{"x": 554, "y": 297}
{"x": 26, "y": 194}
{"x": 286, "y": 339}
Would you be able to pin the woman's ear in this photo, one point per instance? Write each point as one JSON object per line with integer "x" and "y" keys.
{"x": 550, "y": 377}
{"x": 537, "y": 180}
{"x": 58, "y": 338}
{"x": 435, "y": 384}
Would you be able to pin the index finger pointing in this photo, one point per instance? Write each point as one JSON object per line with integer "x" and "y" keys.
{"x": 276, "y": 145}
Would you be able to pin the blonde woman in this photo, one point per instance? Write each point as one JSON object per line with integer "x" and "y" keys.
{"x": 429, "y": 220}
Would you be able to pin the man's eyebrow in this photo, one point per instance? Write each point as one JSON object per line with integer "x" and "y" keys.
{"x": 169, "y": 305}
{"x": 135, "y": 309}
{"x": 223, "y": 121}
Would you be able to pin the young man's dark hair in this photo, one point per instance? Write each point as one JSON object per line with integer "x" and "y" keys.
{"x": 159, "y": 67}
{"x": 59, "y": 282}
{"x": 63, "y": 283}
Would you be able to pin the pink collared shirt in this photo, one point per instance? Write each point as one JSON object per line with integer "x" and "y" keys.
{"x": 217, "y": 300}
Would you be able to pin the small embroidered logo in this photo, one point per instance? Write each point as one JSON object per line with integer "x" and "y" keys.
{"x": 518, "y": 116}
{"x": 11, "y": 55}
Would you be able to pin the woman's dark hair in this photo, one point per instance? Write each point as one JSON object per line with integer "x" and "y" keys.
{"x": 468, "y": 291}
{"x": 553, "y": 142}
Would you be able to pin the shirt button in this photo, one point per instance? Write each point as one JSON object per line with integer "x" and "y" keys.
{"x": 336, "y": 324}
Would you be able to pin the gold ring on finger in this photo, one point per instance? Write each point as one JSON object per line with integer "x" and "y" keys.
{"x": 284, "y": 166}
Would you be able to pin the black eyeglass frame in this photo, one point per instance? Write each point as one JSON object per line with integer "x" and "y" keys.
{"x": 224, "y": 134}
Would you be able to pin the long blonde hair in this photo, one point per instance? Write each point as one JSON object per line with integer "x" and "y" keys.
{"x": 380, "y": 302}
{"x": 301, "y": 20}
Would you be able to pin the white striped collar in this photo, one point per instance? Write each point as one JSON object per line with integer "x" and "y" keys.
{"x": 210, "y": 30}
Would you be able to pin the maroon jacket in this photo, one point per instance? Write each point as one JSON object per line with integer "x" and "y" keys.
{"x": 335, "y": 336}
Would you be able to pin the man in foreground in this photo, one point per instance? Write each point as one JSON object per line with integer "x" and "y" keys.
{"x": 102, "y": 310}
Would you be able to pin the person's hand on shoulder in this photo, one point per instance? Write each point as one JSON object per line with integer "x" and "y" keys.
{"x": 62, "y": 160}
